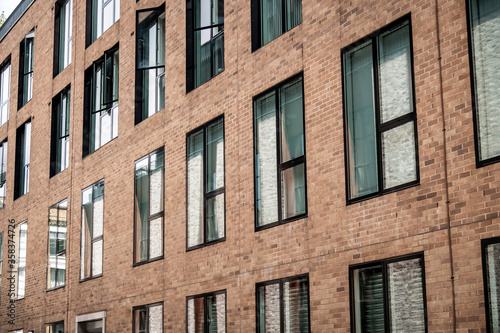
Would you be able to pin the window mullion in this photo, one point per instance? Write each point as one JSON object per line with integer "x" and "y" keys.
{"x": 282, "y": 310}
{"x": 376, "y": 107}
{"x": 204, "y": 179}
{"x": 385, "y": 290}
{"x": 278, "y": 151}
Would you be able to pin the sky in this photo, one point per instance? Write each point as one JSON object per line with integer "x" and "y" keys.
{"x": 8, "y": 6}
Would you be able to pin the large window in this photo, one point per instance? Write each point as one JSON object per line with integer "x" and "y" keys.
{"x": 148, "y": 318}
{"x": 63, "y": 35}
{"x": 272, "y": 18}
{"x": 26, "y": 69}
{"x": 491, "y": 271}
{"x": 484, "y": 31}
{"x": 100, "y": 123}
{"x": 101, "y": 15}
{"x": 3, "y": 172}
{"x": 389, "y": 295}
{"x": 91, "y": 323}
{"x": 283, "y": 305}
{"x": 205, "y": 184}
{"x": 58, "y": 220}
{"x": 55, "y": 327}
{"x": 23, "y": 145}
{"x": 205, "y": 41}
{"x": 280, "y": 155}
{"x": 150, "y": 73}
{"x": 380, "y": 118}
{"x": 92, "y": 231}
{"x": 148, "y": 206}
{"x": 4, "y": 91}
{"x": 59, "y": 152}
{"x": 19, "y": 270}
{"x": 206, "y": 313}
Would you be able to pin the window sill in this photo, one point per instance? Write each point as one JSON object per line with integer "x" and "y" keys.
{"x": 91, "y": 278}
{"x": 199, "y": 246}
{"x": 277, "y": 223}
{"x": 144, "y": 262}
{"x": 382, "y": 193}
{"x": 56, "y": 288}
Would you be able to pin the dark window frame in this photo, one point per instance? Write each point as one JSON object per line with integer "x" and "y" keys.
{"x": 383, "y": 263}
{"x": 205, "y": 295}
{"x": 20, "y": 153}
{"x": 391, "y": 124}
{"x": 4, "y": 145}
{"x": 91, "y": 13}
{"x": 154, "y": 216}
{"x": 6, "y": 63}
{"x": 209, "y": 195}
{"x": 56, "y": 136}
{"x": 53, "y": 325}
{"x": 58, "y": 65}
{"x": 146, "y": 308}
{"x": 280, "y": 166}
{"x": 28, "y": 42}
{"x": 1, "y": 261}
{"x": 59, "y": 252}
{"x": 484, "y": 244}
{"x": 281, "y": 282}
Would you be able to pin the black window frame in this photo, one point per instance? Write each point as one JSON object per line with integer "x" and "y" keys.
{"x": 53, "y": 325}
{"x": 205, "y": 295}
{"x": 58, "y": 66}
{"x": 56, "y": 136}
{"x": 59, "y": 250}
{"x": 191, "y": 30}
{"x": 4, "y": 145}
{"x": 256, "y": 27}
{"x": 484, "y": 244}
{"x": 161, "y": 214}
{"x": 91, "y": 13}
{"x": 280, "y": 166}
{"x": 281, "y": 282}
{"x": 6, "y": 63}
{"x": 1, "y": 262}
{"x": 383, "y": 263}
{"x": 20, "y": 153}
{"x": 22, "y": 70}
{"x": 146, "y": 308}
{"x": 209, "y": 195}
{"x": 391, "y": 124}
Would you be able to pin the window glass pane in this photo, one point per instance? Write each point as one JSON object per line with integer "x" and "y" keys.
{"x": 141, "y": 208}
{"x": 196, "y": 315}
{"x": 86, "y": 233}
{"x": 61, "y": 270}
{"x": 140, "y": 320}
{"x": 215, "y": 217}
{"x": 216, "y": 313}
{"x": 296, "y": 307}
{"x": 271, "y": 20}
{"x": 21, "y": 282}
{"x": 195, "y": 189}
{"x": 394, "y": 72}
{"x": 114, "y": 117}
{"x": 203, "y": 13}
{"x": 59, "y": 328}
{"x": 97, "y": 258}
{"x": 155, "y": 247}
{"x": 266, "y": 191}
{"x": 369, "y": 299}
{"x": 215, "y": 156}
{"x": 108, "y": 12}
{"x": 269, "y": 308}
{"x": 98, "y": 216}
{"x": 398, "y": 155}
{"x": 156, "y": 319}
{"x": 293, "y": 191}
{"x": 293, "y": 15}
{"x": 361, "y": 134}
{"x": 485, "y": 19}
{"x": 493, "y": 282}
{"x": 151, "y": 40}
{"x": 203, "y": 55}
{"x": 292, "y": 121}
{"x": 218, "y": 46}
{"x": 156, "y": 186}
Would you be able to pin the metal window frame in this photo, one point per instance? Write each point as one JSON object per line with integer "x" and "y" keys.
{"x": 381, "y": 128}
{"x": 20, "y": 155}
{"x": 146, "y": 307}
{"x": 29, "y": 39}
{"x": 59, "y": 253}
{"x": 484, "y": 245}
{"x": 52, "y": 325}
{"x": 3, "y": 67}
{"x": 56, "y": 137}
{"x": 205, "y": 312}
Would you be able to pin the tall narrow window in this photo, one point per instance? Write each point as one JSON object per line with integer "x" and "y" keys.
{"x": 92, "y": 231}
{"x": 101, "y": 15}
{"x": 484, "y": 31}
{"x": 150, "y": 73}
{"x": 63, "y": 35}
{"x": 280, "y": 155}
{"x": 23, "y": 145}
{"x": 205, "y": 41}
{"x": 148, "y": 318}
{"x": 101, "y": 102}
{"x": 58, "y": 219}
{"x": 3, "y": 172}
{"x": 55, "y": 327}
{"x": 389, "y": 295}
{"x": 148, "y": 207}
{"x": 59, "y": 152}
{"x": 207, "y": 313}
{"x": 380, "y": 118}
{"x": 205, "y": 188}
{"x": 4, "y": 92}
{"x": 26, "y": 69}
{"x": 491, "y": 273}
{"x": 1, "y": 262}
{"x": 19, "y": 270}
{"x": 272, "y": 18}
{"x": 283, "y": 305}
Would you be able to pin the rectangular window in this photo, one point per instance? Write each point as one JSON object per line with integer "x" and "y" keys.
{"x": 380, "y": 118}
{"x": 283, "y": 305}
{"x": 100, "y": 123}
{"x": 55, "y": 327}
{"x": 204, "y": 41}
{"x": 16, "y": 331}
{"x": 3, "y": 172}
{"x": 19, "y": 270}
{"x": 389, "y": 295}
{"x": 1, "y": 262}
{"x": 206, "y": 313}
{"x": 59, "y": 151}
{"x": 272, "y": 18}
{"x": 491, "y": 273}
{"x": 26, "y": 69}
{"x": 150, "y": 73}
{"x": 205, "y": 184}
{"x": 280, "y": 156}
{"x": 101, "y": 15}
{"x": 149, "y": 175}
{"x": 63, "y": 35}
{"x": 91, "y": 323}
{"x": 148, "y": 318}
{"x": 4, "y": 92}
{"x": 23, "y": 144}
{"x": 484, "y": 31}
{"x": 58, "y": 220}
{"x": 92, "y": 231}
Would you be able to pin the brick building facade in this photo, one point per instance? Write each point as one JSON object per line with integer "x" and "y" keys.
{"x": 250, "y": 166}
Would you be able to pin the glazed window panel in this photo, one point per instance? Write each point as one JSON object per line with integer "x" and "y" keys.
{"x": 23, "y": 145}
{"x": 21, "y": 241}
{"x": 3, "y": 172}
{"x": 58, "y": 219}
{"x": 63, "y": 35}
{"x": 4, "y": 93}
{"x": 207, "y": 313}
{"x": 148, "y": 319}
{"x": 491, "y": 271}
{"x": 60, "y": 132}
{"x": 26, "y": 69}
{"x": 55, "y": 328}
{"x": 102, "y": 15}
